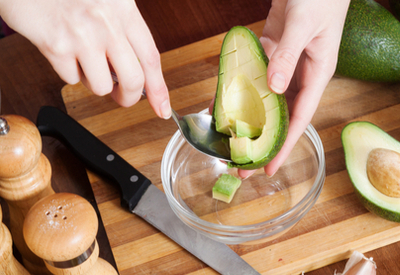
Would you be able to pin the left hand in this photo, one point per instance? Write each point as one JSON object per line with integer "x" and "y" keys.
{"x": 82, "y": 39}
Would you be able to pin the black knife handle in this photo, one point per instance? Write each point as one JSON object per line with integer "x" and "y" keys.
{"x": 94, "y": 153}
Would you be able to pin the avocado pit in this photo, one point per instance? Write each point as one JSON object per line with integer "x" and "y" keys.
{"x": 383, "y": 169}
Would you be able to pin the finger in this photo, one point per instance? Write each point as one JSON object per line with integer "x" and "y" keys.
{"x": 67, "y": 68}
{"x": 96, "y": 72}
{"x": 298, "y": 124}
{"x": 211, "y": 106}
{"x": 284, "y": 58}
{"x": 294, "y": 133}
{"x": 244, "y": 174}
{"x": 304, "y": 107}
{"x": 125, "y": 63}
{"x": 269, "y": 45}
{"x": 150, "y": 61}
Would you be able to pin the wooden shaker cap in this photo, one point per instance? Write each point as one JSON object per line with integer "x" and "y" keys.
{"x": 20, "y": 147}
{"x": 60, "y": 227}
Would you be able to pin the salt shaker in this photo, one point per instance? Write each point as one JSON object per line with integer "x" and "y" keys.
{"x": 61, "y": 229}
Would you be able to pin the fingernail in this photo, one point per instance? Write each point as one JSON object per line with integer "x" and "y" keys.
{"x": 270, "y": 175}
{"x": 165, "y": 109}
{"x": 247, "y": 174}
{"x": 245, "y": 178}
{"x": 277, "y": 83}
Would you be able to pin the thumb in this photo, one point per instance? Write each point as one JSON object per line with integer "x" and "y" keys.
{"x": 284, "y": 59}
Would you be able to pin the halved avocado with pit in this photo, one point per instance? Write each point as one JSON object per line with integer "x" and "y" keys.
{"x": 244, "y": 101}
{"x": 362, "y": 143}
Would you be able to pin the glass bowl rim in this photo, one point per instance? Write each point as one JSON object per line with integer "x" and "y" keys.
{"x": 296, "y": 212}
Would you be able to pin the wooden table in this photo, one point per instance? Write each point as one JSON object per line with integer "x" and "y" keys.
{"x": 28, "y": 82}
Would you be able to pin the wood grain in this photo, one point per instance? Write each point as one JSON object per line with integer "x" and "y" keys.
{"x": 61, "y": 228}
{"x": 337, "y": 225}
{"x": 8, "y": 264}
{"x": 25, "y": 178}
{"x": 28, "y": 82}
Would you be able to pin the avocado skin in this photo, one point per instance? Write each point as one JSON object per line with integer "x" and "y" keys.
{"x": 386, "y": 214}
{"x": 284, "y": 114}
{"x": 283, "y": 130}
{"x": 370, "y": 45}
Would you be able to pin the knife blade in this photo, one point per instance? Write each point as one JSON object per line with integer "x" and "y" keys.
{"x": 138, "y": 194}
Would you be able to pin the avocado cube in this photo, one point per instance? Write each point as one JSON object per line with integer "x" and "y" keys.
{"x": 241, "y": 149}
{"x": 244, "y": 129}
{"x": 225, "y": 188}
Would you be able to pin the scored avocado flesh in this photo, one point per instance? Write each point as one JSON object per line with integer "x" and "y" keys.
{"x": 243, "y": 96}
{"x": 243, "y": 129}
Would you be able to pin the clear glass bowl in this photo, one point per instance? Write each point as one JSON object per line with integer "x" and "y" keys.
{"x": 262, "y": 208}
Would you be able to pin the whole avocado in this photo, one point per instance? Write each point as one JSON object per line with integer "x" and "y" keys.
{"x": 370, "y": 45}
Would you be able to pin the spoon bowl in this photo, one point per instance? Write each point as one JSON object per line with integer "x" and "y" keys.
{"x": 199, "y": 131}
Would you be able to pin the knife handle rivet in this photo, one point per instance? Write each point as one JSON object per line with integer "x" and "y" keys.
{"x": 4, "y": 127}
{"x": 110, "y": 157}
{"x": 134, "y": 178}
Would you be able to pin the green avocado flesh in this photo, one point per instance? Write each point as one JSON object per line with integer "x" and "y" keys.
{"x": 243, "y": 129}
{"x": 359, "y": 139}
{"x": 225, "y": 188}
{"x": 241, "y": 149}
{"x": 370, "y": 44}
{"x": 245, "y": 108}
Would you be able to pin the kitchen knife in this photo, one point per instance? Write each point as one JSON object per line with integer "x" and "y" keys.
{"x": 138, "y": 194}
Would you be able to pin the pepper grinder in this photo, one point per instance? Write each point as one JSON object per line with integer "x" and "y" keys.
{"x": 61, "y": 229}
{"x": 8, "y": 264}
{"x": 25, "y": 178}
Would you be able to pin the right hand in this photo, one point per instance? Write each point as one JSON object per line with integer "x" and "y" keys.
{"x": 301, "y": 39}
{"x": 83, "y": 38}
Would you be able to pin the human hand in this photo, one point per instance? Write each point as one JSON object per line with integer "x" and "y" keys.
{"x": 301, "y": 39}
{"x": 82, "y": 39}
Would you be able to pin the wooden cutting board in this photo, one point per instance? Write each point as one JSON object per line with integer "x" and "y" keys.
{"x": 336, "y": 226}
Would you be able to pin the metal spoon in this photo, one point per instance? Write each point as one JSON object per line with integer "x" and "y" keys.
{"x": 199, "y": 131}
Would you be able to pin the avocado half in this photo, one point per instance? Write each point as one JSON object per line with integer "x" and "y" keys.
{"x": 245, "y": 108}
{"x": 359, "y": 139}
